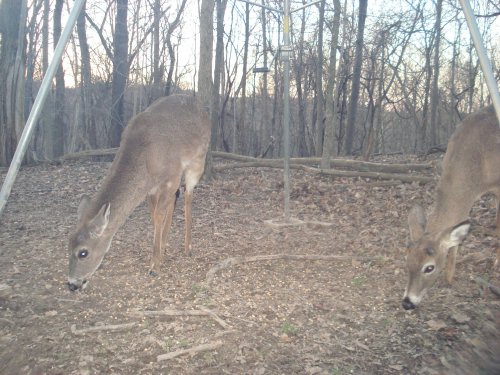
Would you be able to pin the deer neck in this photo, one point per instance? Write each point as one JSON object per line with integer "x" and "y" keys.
{"x": 447, "y": 212}
{"x": 123, "y": 192}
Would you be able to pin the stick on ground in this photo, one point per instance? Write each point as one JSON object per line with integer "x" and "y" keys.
{"x": 104, "y": 327}
{"x": 171, "y": 312}
{"x": 191, "y": 351}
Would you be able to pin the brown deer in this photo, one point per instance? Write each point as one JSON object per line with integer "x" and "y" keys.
{"x": 471, "y": 168}
{"x": 167, "y": 141}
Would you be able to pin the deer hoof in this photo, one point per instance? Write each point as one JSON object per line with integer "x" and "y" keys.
{"x": 153, "y": 273}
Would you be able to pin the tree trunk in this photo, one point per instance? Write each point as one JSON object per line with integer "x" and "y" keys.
{"x": 319, "y": 98}
{"x": 56, "y": 131}
{"x": 87, "y": 114}
{"x": 206, "y": 52}
{"x": 12, "y": 57}
{"x": 265, "y": 128}
{"x": 353, "y": 105}
{"x": 299, "y": 64}
{"x": 120, "y": 73}
{"x": 171, "y": 51}
{"x": 240, "y": 123}
{"x": 157, "y": 69}
{"x": 435, "y": 76}
{"x": 331, "y": 99}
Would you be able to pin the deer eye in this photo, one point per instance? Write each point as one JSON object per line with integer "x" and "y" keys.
{"x": 83, "y": 254}
{"x": 429, "y": 269}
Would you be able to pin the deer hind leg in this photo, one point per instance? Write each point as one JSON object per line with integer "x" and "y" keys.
{"x": 192, "y": 176}
{"x": 161, "y": 205}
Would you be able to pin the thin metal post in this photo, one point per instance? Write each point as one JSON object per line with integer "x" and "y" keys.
{"x": 483, "y": 56}
{"x": 38, "y": 105}
{"x": 285, "y": 55}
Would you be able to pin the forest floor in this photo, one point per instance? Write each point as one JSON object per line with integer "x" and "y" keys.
{"x": 336, "y": 315}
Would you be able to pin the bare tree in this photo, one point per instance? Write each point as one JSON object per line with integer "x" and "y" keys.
{"x": 120, "y": 72}
{"x": 240, "y": 123}
{"x": 319, "y": 105}
{"x": 356, "y": 78}
{"x": 435, "y": 75}
{"x": 171, "y": 52}
{"x": 206, "y": 51}
{"x": 331, "y": 102}
{"x": 205, "y": 84}
{"x": 86, "y": 113}
{"x": 12, "y": 57}
{"x": 299, "y": 76}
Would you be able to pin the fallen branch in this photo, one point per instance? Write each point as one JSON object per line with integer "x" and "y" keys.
{"x": 248, "y": 161}
{"x": 229, "y": 262}
{"x": 170, "y": 312}
{"x": 494, "y": 289}
{"x": 192, "y": 351}
{"x": 89, "y": 153}
{"x": 104, "y": 327}
{"x": 337, "y": 163}
{"x": 329, "y": 172}
{"x": 372, "y": 175}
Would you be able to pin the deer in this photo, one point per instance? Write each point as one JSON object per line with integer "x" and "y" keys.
{"x": 160, "y": 146}
{"x": 470, "y": 169}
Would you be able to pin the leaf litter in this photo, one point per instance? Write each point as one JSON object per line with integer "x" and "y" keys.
{"x": 338, "y": 316}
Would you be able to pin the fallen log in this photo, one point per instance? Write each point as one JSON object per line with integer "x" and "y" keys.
{"x": 273, "y": 163}
{"x": 357, "y": 165}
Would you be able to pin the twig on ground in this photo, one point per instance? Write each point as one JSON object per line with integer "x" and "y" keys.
{"x": 170, "y": 312}
{"x": 192, "y": 351}
{"x": 7, "y": 321}
{"x": 215, "y": 317}
{"x": 229, "y": 262}
{"x": 104, "y": 327}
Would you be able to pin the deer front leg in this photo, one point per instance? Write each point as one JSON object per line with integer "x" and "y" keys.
{"x": 162, "y": 214}
{"x": 450, "y": 265}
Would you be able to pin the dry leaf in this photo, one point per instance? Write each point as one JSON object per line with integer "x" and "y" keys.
{"x": 436, "y": 325}
{"x": 460, "y": 318}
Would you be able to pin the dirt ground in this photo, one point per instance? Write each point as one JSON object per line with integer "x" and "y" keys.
{"x": 275, "y": 316}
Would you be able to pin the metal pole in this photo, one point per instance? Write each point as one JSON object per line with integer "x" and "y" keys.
{"x": 285, "y": 54}
{"x": 483, "y": 56}
{"x": 37, "y": 106}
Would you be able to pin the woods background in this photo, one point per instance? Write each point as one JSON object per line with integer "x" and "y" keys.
{"x": 367, "y": 77}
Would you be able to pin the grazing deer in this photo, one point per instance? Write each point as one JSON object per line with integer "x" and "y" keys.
{"x": 471, "y": 168}
{"x": 167, "y": 141}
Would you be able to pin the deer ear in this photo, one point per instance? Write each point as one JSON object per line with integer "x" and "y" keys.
{"x": 457, "y": 234}
{"x": 100, "y": 221}
{"x": 83, "y": 206}
{"x": 416, "y": 222}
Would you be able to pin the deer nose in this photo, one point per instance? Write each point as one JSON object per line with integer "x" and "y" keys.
{"x": 407, "y": 304}
{"x": 72, "y": 287}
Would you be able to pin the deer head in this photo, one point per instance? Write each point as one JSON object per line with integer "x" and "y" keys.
{"x": 427, "y": 254}
{"x": 88, "y": 244}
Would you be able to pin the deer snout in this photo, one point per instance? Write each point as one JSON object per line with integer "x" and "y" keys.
{"x": 407, "y": 304}
{"x": 75, "y": 285}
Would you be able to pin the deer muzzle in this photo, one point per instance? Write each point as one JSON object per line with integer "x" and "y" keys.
{"x": 74, "y": 285}
{"x": 407, "y": 304}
